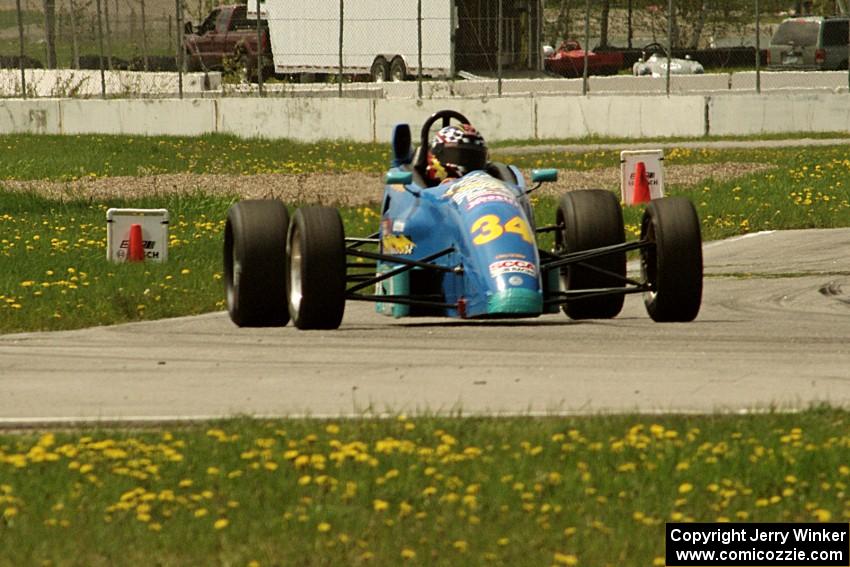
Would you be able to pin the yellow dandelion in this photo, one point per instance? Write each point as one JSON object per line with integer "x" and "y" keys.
{"x": 565, "y": 559}
{"x": 822, "y": 515}
{"x": 408, "y": 553}
{"x": 685, "y": 487}
{"x": 221, "y": 523}
{"x": 324, "y": 527}
{"x": 460, "y": 545}
{"x": 380, "y": 505}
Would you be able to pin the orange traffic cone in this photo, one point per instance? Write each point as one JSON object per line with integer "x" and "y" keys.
{"x": 640, "y": 193}
{"x": 135, "y": 246}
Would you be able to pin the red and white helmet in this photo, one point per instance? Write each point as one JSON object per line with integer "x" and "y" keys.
{"x": 454, "y": 152}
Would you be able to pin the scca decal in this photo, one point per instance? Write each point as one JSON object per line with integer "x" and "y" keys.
{"x": 513, "y": 267}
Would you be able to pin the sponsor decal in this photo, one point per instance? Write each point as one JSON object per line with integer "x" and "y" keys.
{"x": 146, "y": 244}
{"x": 511, "y": 256}
{"x": 397, "y": 244}
{"x": 398, "y": 226}
{"x": 489, "y": 227}
{"x": 515, "y": 280}
{"x": 503, "y": 267}
{"x": 479, "y": 189}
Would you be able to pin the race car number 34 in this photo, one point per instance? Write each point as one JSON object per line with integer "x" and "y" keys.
{"x": 489, "y": 228}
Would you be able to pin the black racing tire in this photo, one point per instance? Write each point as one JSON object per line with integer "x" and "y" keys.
{"x": 380, "y": 71}
{"x": 673, "y": 267}
{"x": 591, "y": 219}
{"x": 315, "y": 268}
{"x": 254, "y": 263}
{"x": 398, "y": 69}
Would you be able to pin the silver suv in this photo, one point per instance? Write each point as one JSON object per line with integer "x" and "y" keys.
{"x": 812, "y": 42}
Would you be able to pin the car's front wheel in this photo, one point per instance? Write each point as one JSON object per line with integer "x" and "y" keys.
{"x": 672, "y": 265}
{"x": 315, "y": 268}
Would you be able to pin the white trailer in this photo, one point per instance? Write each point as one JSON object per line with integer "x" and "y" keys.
{"x": 381, "y": 39}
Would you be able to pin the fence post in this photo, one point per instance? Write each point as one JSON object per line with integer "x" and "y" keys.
{"x": 259, "y": 54}
{"x": 499, "y": 47}
{"x": 180, "y": 61}
{"x": 108, "y": 34}
{"x": 144, "y": 36}
{"x": 758, "y": 47}
{"x": 669, "y": 41}
{"x": 419, "y": 48}
{"x": 629, "y": 30}
{"x": 341, "y": 32}
{"x": 75, "y": 44}
{"x": 21, "y": 45}
{"x": 584, "y": 73}
{"x": 100, "y": 50}
{"x": 50, "y": 32}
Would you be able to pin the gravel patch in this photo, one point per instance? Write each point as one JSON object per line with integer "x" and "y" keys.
{"x": 343, "y": 189}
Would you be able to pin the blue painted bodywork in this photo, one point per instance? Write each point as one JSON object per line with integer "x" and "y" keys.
{"x": 489, "y": 225}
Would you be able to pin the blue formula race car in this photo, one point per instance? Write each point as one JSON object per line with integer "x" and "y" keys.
{"x": 458, "y": 238}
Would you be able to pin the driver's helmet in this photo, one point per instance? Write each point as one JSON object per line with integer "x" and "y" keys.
{"x": 454, "y": 152}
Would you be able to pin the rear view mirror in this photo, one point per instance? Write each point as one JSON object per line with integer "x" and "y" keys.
{"x": 544, "y": 175}
{"x": 399, "y": 178}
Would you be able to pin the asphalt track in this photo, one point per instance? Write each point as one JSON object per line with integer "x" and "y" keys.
{"x": 774, "y": 332}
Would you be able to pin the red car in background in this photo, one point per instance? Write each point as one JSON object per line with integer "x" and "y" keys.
{"x": 568, "y": 61}
{"x": 227, "y": 38}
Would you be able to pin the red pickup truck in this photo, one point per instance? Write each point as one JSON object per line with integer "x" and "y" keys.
{"x": 225, "y": 40}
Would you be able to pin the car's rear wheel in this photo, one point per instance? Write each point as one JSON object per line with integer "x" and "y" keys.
{"x": 673, "y": 266}
{"x": 380, "y": 71}
{"x": 315, "y": 268}
{"x": 254, "y": 263}
{"x": 591, "y": 219}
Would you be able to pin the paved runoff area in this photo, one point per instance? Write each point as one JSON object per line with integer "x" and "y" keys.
{"x": 774, "y": 332}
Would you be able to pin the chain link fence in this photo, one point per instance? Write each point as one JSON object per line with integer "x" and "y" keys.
{"x": 336, "y": 42}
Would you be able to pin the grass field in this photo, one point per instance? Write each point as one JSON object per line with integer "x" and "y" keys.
{"x": 592, "y": 491}
{"x": 53, "y": 273}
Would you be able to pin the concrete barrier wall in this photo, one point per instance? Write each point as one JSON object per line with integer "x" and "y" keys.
{"x": 30, "y": 116}
{"x": 86, "y": 83}
{"x": 189, "y": 117}
{"x": 788, "y": 80}
{"x": 366, "y": 120}
{"x": 762, "y": 114}
{"x": 497, "y": 118}
{"x": 306, "y": 119}
{"x": 619, "y": 116}
{"x": 622, "y": 84}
